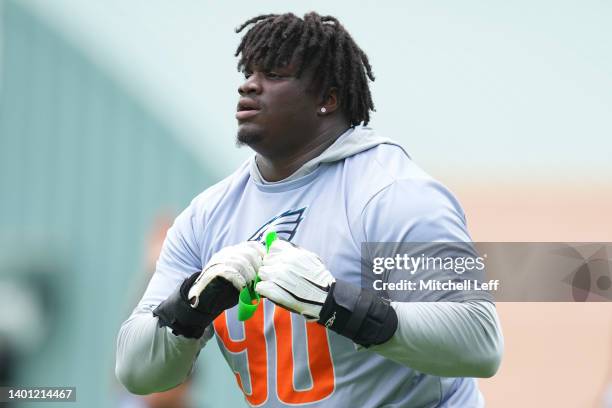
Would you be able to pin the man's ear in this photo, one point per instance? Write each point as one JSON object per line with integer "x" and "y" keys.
{"x": 330, "y": 102}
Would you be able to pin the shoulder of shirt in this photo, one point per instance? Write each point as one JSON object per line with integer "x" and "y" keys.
{"x": 384, "y": 165}
{"x": 208, "y": 200}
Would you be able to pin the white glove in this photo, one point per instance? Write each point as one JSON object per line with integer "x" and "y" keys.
{"x": 237, "y": 264}
{"x": 294, "y": 278}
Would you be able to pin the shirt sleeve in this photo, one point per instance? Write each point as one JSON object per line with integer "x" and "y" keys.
{"x": 454, "y": 339}
{"x": 447, "y": 339}
{"x": 150, "y": 358}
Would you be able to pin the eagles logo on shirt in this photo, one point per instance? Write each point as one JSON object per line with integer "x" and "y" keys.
{"x": 285, "y": 225}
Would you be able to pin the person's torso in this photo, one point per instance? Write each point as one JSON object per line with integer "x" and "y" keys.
{"x": 280, "y": 359}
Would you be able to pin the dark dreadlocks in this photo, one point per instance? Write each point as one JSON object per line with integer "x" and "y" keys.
{"x": 276, "y": 40}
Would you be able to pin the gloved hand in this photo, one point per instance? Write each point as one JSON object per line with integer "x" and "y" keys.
{"x": 297, "y": 279}
{"x": 236, "y": 264}
{"x": 204, "y": 295}
{"x": 294, "y": 278}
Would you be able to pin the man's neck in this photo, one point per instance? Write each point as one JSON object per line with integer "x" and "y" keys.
{"x": 279, "y": 168}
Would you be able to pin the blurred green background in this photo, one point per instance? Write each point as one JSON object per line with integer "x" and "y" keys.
{"x": 114, "y": 114}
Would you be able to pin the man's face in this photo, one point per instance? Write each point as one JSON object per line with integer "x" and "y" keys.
{"x": 276, "y": 112}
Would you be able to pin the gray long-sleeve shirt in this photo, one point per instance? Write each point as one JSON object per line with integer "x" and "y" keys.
{"x": 368, "y": 190}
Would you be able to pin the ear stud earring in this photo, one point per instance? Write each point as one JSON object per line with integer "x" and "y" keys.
{"x": 323, "y": 110}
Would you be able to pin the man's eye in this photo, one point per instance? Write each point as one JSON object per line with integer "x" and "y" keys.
{"x": 247, "y": 75}
{"x": 273, "y": 75}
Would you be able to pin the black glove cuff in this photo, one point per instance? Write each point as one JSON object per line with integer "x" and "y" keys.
{"x": 359, "y": 314}
{"x": 176, "y": 311}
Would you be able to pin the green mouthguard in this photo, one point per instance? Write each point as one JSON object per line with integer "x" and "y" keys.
{"x": 248, "y": 300}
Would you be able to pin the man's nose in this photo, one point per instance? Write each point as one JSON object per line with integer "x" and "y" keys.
{"x": 250, "y": 85}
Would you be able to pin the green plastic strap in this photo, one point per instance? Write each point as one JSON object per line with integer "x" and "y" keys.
{"x": 248, "y": 300}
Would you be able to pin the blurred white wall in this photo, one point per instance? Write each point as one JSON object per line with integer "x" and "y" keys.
{"x": 475, "y": 90}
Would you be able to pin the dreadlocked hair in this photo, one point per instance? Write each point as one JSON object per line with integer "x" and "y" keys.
{"x": 276, "y": 40}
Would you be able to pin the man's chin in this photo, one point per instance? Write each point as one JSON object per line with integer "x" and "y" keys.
{"x": 247, "y": 136}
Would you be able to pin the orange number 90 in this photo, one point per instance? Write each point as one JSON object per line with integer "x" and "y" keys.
{"x": 254, "y": 343}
